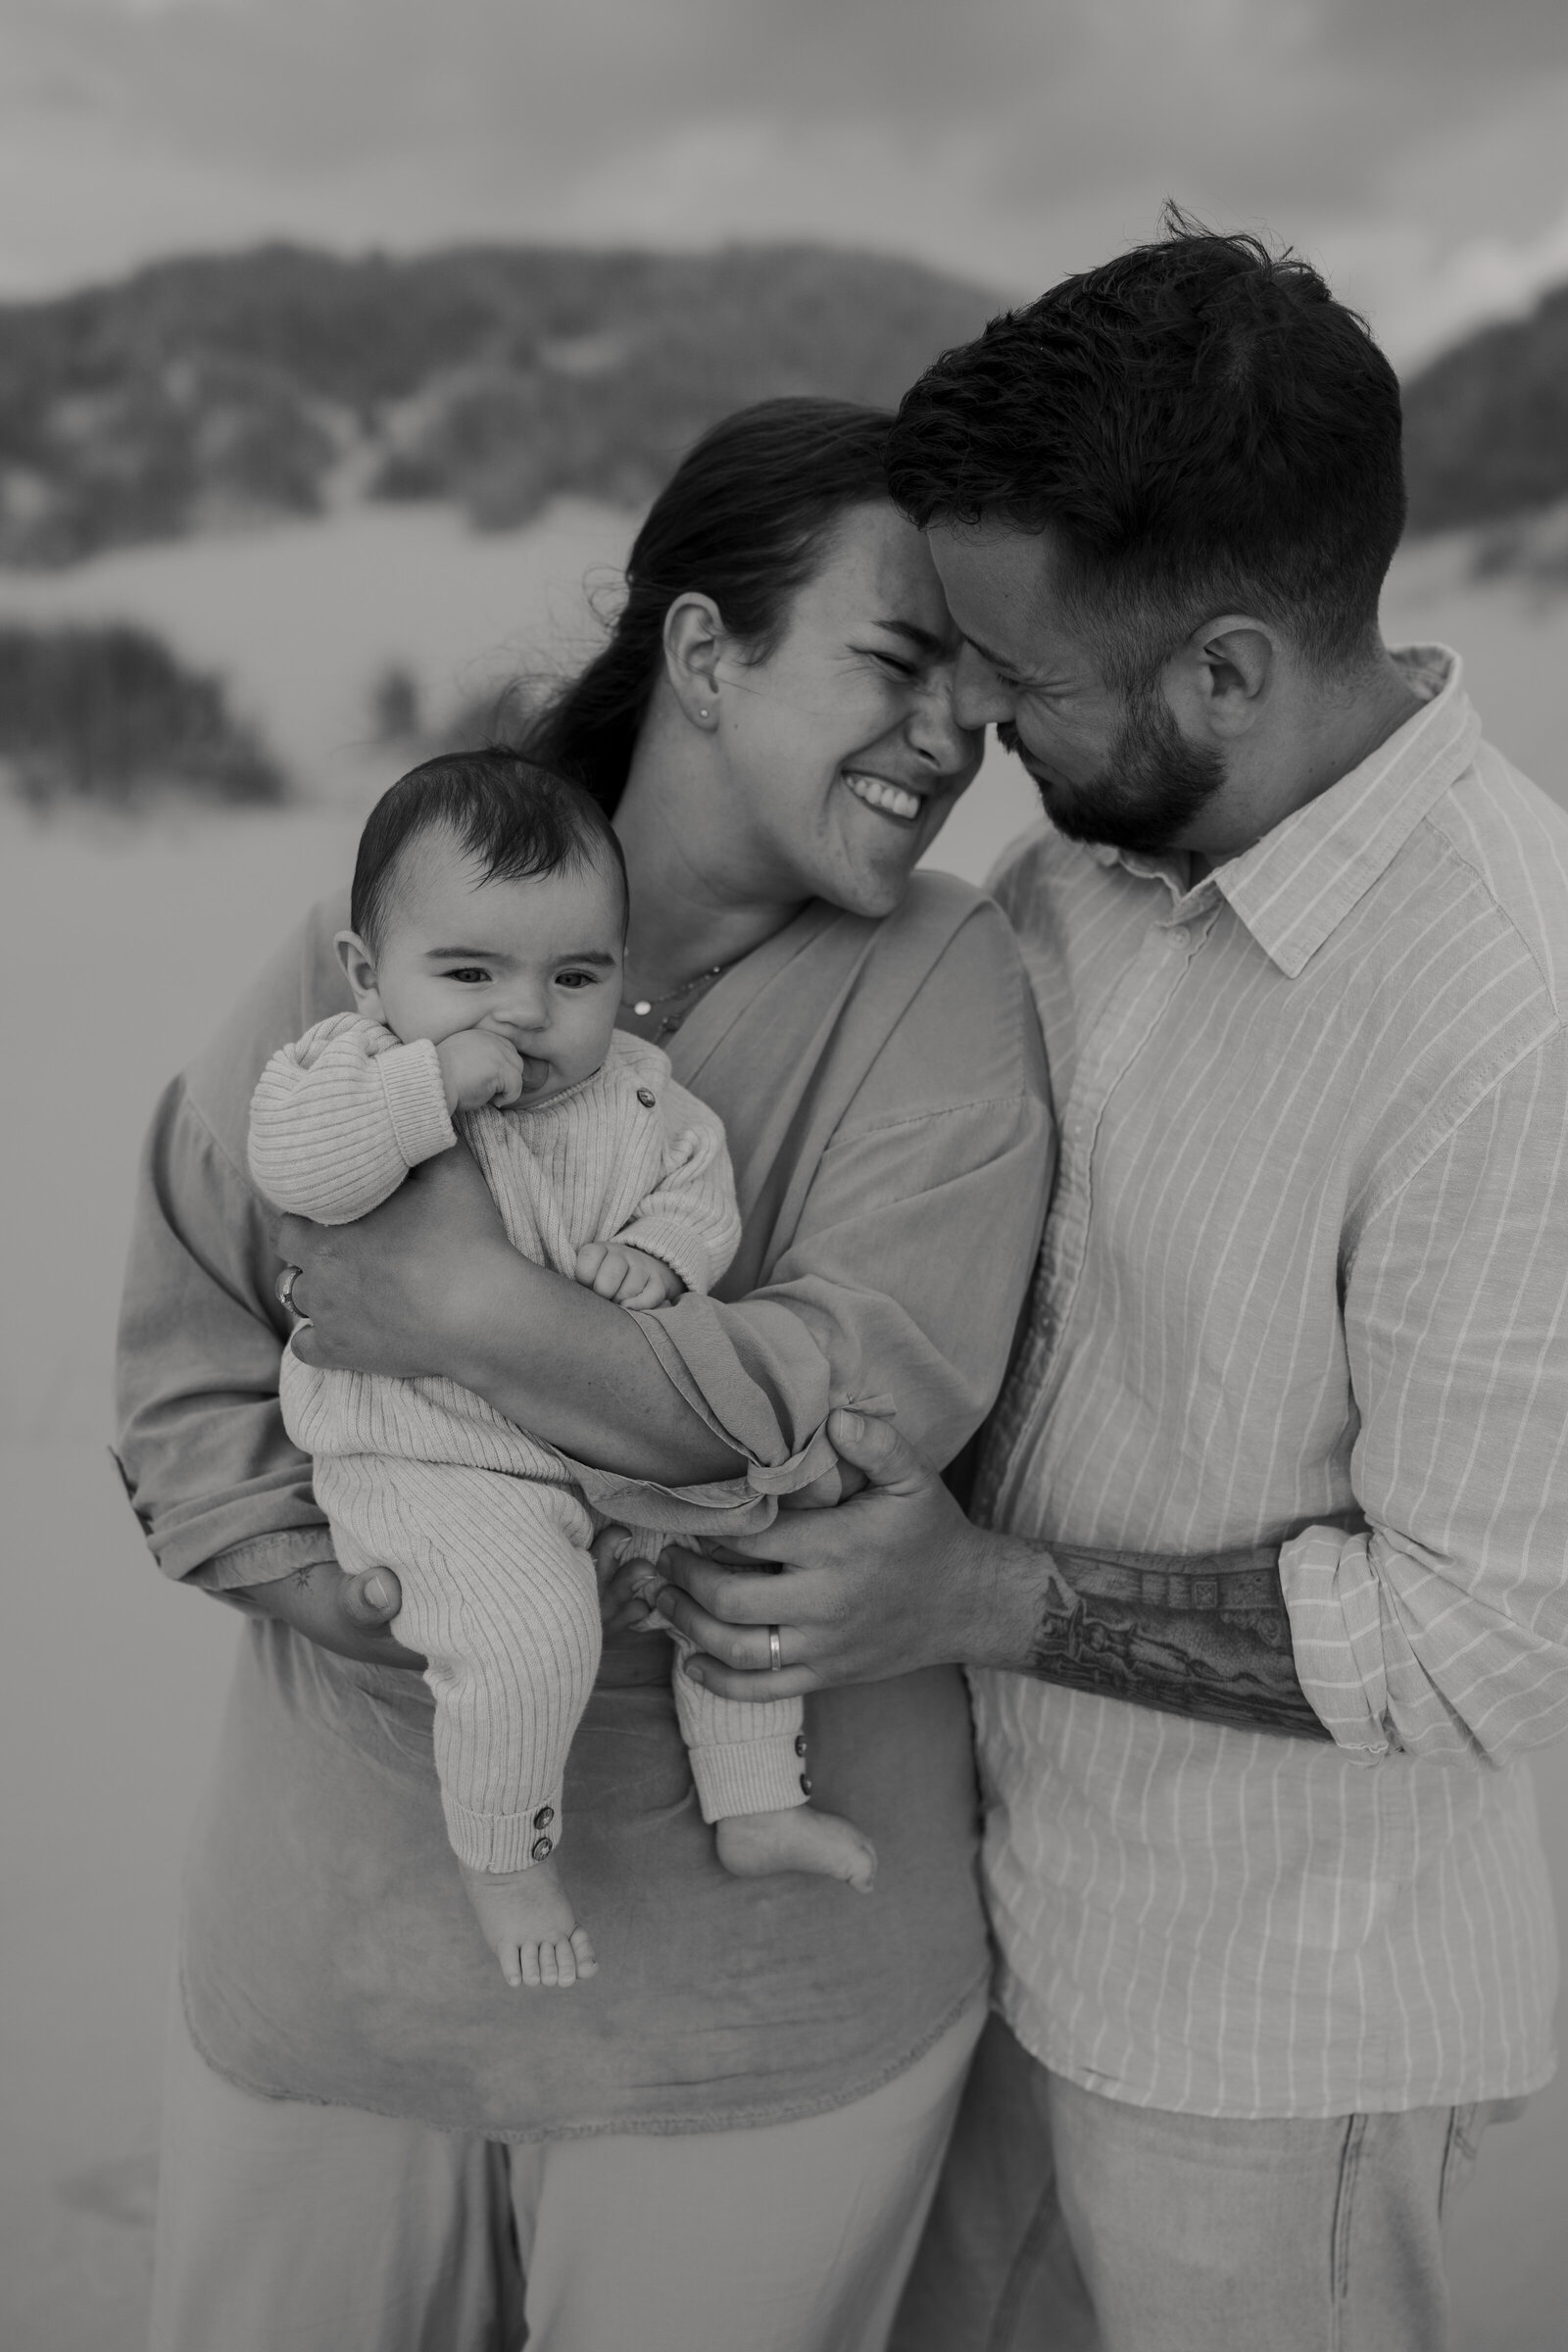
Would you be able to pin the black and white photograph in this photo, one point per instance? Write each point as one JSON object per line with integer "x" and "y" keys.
{"x": 784, "y": 1398}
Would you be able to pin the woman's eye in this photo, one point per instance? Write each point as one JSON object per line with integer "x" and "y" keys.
{"x": 899, "y": 667}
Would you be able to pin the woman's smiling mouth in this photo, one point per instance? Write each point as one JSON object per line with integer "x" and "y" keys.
{"x": 889, "y": 800}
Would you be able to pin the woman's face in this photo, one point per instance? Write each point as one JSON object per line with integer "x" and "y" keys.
{"x": 842, "y": 756}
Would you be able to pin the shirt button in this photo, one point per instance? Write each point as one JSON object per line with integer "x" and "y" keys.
{"x": 800, "y": 1743}
{"x": 544, "y": 1817}
{"x": 645, "y": 1098}
{"x": 540, "y": 1847}
{"x": 805, "y": 1783}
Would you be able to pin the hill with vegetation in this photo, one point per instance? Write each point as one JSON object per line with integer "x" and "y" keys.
{"x": 286, "y": 381}
{"x": 1485, "y": 424}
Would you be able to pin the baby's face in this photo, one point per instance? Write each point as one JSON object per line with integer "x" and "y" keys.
{"x": 538, "y": 961}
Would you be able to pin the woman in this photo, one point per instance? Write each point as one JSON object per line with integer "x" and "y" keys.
{"x": 729, "y": 2136}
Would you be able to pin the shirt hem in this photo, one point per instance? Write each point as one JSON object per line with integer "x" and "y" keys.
{"x": 1382, "y": 2099}
{"x": 670, "y": 2126}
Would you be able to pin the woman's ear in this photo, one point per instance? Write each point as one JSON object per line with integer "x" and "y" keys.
{"x": 694, "y": 644}
{"x": 359, "y": 967}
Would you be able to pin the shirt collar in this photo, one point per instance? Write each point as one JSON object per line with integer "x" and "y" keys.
{"x": 1295, "y": 887}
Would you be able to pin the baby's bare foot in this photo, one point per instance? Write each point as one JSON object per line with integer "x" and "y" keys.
{"x": 529, "y": 1925}
{"x": 754, "y": 1845}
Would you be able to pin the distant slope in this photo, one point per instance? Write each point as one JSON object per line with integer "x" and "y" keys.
{"x": 285, "y": 380}
{"x": 1487, "y": 425}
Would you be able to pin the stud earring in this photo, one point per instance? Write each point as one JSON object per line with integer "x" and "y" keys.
{"x": 703, "y": 710}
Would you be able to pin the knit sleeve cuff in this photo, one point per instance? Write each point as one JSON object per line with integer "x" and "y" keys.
{"x": 505, "y": 1841}
{"x": 750, "y": 1775}
{"x": 416, "y": 1100}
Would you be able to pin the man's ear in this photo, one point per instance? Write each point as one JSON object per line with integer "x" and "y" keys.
{"x": 1225, "y": 673}
{"x": 359, "y": 967}
{"x": 694, "y": 643}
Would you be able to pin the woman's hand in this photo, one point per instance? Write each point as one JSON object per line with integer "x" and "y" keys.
{"x": 348, "y": 1614}
{"x": 407, "y": 1289}
{"x": 893, "y": 1579}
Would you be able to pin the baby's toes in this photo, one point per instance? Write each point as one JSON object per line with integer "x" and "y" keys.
{"x": 583, "y": 1951}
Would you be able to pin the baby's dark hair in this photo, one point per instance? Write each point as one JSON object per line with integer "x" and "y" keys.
{"x": 513, "y": 818}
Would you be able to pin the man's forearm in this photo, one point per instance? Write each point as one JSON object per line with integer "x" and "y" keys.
{"x": 1207, "y": 1637}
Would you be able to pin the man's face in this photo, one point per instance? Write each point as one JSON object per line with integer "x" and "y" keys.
{"x": 1110, "y": 765}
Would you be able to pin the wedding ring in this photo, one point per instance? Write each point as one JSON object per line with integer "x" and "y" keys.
{"x": 775, "y": 1651}
{"x": 284, "y": 1287}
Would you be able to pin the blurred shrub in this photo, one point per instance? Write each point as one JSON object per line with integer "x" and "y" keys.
{"x": 1486, "y": 425}
{"x": 496, "y": 714}
{"x": 205, "y": 390}
{"x": 109, "y": 717}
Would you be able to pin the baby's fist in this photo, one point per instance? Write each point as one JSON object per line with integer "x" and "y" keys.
{"x": 478, "y": 1068}
{"x": 630, "y": 1277}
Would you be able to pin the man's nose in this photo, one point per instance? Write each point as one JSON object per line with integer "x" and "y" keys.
{"x": 979, "y": 697}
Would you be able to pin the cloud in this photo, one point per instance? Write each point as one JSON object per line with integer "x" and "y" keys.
{"x": 1412, "y": 141}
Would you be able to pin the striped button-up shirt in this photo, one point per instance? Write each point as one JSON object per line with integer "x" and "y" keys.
{"x": 1304, "y": 1284}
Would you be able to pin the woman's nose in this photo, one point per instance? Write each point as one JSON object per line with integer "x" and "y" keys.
{"x": 979, "y": 698}
{"x": 938, "y": 733}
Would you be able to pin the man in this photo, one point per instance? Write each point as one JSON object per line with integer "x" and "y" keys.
{"x": 1265, "y": 1587}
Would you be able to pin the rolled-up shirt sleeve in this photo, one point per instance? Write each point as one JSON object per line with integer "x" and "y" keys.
{"x": 223, "y": 1497}
{"x": 904, "y": 1275}
{"x": 1442, "y": 1629}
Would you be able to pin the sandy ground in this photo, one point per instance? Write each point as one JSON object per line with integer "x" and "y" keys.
{"x": 118, "y": 948}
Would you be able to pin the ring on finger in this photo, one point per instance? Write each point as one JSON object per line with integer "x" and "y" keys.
{"x": 284, "y": 1287}
{"x": 775, "y": 1651}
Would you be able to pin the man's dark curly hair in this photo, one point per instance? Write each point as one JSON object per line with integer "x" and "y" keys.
{"x": 1202, "y": 429}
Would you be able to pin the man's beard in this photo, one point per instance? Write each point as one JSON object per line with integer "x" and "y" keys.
{"x": 1150, "y": 790}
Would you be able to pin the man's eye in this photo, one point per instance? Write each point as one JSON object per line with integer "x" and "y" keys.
{"x": 899, "y": 667}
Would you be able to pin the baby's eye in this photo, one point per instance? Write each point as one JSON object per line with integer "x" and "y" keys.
{"x": 576, "y": 979}
{"x": 472, "y": 975}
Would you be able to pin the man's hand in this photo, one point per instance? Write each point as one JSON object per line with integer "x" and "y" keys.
{"x": 479, "y": 1066}
{"x": 893, "y": 1579}
{"x": 630, "y": 1277}
{"x": 348, "y": 1614}
{"x": 404, "y": 1290}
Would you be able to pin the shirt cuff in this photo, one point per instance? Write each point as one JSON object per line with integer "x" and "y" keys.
{"x": 265, "y": 1560}
{"x": 416, "y": 1099}
{"x": 1336, "y": 1613}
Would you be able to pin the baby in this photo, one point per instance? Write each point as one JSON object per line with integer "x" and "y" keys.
{"x": 489, "y": 919}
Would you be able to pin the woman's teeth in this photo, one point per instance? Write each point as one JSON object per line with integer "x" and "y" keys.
{"x": 891, "y": 799}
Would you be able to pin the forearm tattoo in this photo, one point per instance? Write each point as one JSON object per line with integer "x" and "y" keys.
{"x": 1207, "y": 1637}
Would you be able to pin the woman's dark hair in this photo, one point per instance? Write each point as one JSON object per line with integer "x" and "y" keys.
{"x": 1203, "y": 429}
{"x": 743, "y": 519}
{"x": 509, "y": 813}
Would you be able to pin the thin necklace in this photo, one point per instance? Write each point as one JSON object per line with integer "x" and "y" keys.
{"x": 642, "y": 1007}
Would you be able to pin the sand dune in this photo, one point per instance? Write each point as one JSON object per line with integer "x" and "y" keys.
{"x": 118, "y": 948}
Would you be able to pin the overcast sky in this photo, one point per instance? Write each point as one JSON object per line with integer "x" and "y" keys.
{"x": 1417, "y": 148}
